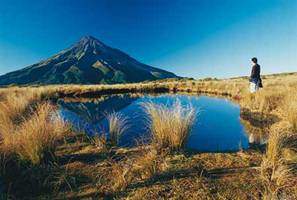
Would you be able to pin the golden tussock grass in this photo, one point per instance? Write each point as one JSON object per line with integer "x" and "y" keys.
{"x": 290, "y": 108}
{"x": 121, "y": 176}
{"x": 170, "y": 126}
{"x": 147, "y": 164}
{"x": 276, "y": 173}
{"x": 99, "y": 141}
{"x": 38, "y": 136}
{"x": 12, "y": 108}
{"x": 117, "y": 124}
{"x": 35, "y": 137}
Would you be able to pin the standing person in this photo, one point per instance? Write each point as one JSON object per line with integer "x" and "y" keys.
{"x": 255, "y": 79}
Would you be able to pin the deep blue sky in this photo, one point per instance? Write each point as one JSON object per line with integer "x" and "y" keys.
{"x": 197, "y": 38}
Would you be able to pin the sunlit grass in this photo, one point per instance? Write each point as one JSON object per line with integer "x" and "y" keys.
{"x": 117, "y": 124}
{"x": 35, "y": 137}
{"x": 275, "y": 171}
{"x": 147, "y": 164}
{"x": 290, "y": 108}
{"x": 170, "y": 126}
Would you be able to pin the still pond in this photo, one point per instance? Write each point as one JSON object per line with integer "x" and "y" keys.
{"x": 217, "y": 127}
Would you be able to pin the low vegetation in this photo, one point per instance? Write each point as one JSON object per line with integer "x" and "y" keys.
{"x": 276, "y": 173}
{"x": 170, "y": 126}
{"x": 117, "y": 124}
{"x": 42, "y": 157}
{"x": 29, "y": 137}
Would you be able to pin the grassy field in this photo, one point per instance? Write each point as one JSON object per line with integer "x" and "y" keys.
{"x": 43, "y": 157}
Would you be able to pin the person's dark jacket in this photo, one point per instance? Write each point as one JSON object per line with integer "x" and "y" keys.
{"x": 255, "y": 75}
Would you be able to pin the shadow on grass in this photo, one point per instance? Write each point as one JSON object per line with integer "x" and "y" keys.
{"x": 87, "y": 158}
{"x": 162, "y": 178}
{"x": 158, "y": 179}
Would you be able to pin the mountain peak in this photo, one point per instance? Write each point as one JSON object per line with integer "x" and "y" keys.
{"x": 89, "y": 43}
{"x": 88, "y": 38}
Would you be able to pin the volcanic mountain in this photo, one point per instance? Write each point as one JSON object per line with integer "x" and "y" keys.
{"x": 89, "y": 61}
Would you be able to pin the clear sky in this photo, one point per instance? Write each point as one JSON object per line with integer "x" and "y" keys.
{"x": 195, "y": 38}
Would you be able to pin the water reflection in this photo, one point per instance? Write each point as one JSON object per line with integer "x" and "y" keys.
{"x": 256, "y": 135}
{"x": 257, "y": 125}
{"x": 218, "y": 127}
{"x": 93, "y": 110}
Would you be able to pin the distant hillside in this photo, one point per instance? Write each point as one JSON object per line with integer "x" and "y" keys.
{"x": 89, "y": 61}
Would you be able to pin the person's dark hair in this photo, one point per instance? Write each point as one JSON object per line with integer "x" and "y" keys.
{"x": 255, "y": 60}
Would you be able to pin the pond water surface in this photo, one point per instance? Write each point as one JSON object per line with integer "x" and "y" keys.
{"x": 217, "y": 127}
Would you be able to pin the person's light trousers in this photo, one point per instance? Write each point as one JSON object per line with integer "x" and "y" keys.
{"x": 254, "y": 87}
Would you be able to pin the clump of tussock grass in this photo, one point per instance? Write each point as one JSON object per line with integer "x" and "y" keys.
{"x": 290, "y": 108}
{"x": 17, "y": 104}
{"x": 117, "y": 124}
{"x": 40, "y": 134}
{"x": 12, "y": 114}
{"x": 61, "y": 178}
{"x": 275, "y": 172}
{"x": 121, "y": 176}
{"x": 170, "y": 126}
{"x": 14, "y": 105}
{"x": 275, "y": 178}
{"x": 147, "y": 164}
{"x": 99, "y": 141}
{"x": 35, "y": 138}
{"x": 27, "y": 147}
